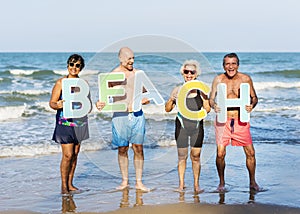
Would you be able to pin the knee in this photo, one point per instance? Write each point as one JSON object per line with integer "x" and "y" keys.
{"x": 68, "y": 156}
{"x": 182, "y": 157}
{"x": 138, "y": 149}
{"x": 122, "y": 151}
{"x": 250, "y": 154}
{"x": 221, "y": 154}
{"x": 195, "y": 157}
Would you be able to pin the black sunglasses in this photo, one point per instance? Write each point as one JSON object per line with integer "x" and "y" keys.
{"x": 189, "y": 71}
{"x": 77, "y": 65}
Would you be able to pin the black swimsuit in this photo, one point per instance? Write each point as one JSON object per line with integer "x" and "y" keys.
{"x": 185, "y": 128}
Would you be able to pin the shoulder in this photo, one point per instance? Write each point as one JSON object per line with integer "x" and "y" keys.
{"x": 218, "y": 79}
{"x": 175, "y": 90}
{"x": 59, "y": 81}
{"x": 117, "y": 69}
{"x": 244, "y": 77}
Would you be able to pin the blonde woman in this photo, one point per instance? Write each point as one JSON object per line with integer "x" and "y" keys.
{"x": 189, "y": 132}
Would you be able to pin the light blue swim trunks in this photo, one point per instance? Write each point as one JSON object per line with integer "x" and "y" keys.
{"x": 128, "y": 128}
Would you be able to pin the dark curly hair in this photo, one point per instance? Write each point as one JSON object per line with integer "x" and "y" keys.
{"x": 75, "y": 58}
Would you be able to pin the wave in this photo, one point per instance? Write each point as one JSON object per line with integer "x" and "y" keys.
{"x": 285, "y": 73}
{"x": 27, "y": 92}
{"x": 278, "y": 109}
{"x": 44, "y": 148}
{"x": 158, "y": 113}
{"x": 20, "y": 72}
{"x": 11, "y": 112}
{"x": 266, "y": 85}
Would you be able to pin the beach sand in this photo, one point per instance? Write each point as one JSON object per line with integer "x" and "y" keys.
{"x": 207, "y": 209}
{"x": 181, "y": 208}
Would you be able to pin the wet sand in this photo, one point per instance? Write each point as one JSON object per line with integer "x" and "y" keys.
{"x": 180, "y": 208}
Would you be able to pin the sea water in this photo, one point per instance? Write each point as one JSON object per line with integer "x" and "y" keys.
{"x": 30, "y": 159}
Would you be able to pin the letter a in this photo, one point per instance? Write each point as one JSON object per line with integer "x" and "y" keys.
{"x": 142, "y": 82}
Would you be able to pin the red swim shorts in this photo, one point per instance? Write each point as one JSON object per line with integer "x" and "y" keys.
{"x": 233, "y": 131}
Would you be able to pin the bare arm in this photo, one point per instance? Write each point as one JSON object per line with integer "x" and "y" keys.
{"x": 253, "y": 96}
{"x": 206, "y": 105}
{"x": 213, "y": 94}
{"x": 170, "y": 104}
{"x": 55, "y": 103}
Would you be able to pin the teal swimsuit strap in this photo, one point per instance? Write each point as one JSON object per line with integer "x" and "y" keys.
{"x": 180, "y": 118}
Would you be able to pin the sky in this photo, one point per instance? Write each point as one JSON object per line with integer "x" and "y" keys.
{"x": 205, "y": 25}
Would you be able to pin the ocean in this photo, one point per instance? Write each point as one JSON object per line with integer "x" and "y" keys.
{"x": 29, "y": 175}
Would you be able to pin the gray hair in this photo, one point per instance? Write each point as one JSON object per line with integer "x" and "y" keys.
{"x": 192, "y": 63}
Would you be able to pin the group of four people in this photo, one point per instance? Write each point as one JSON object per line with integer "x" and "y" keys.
{"x": 129, "y": 126}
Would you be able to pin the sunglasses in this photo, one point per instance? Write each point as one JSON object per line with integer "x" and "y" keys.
{"x": 77, "y": 65}
{"x": 189, "y": 71}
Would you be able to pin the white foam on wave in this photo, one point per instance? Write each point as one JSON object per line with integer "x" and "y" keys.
{"x": 45, "y": 106}
{"x": 158, "y": 113}
{"x": 82, "y": 73}
{"x": 29, "y": 150}
{"x": 11, "y": 112}
{"x": 33, "y": 92}
{"x": 44, "y": 148}
{"x": 26, "y": 92}
{"x": 166, "y": 143}
{"x": 22, "y": 72}
{"x": 278, "y": 109}
{"x": 266, "y": 85}
{"x": 85, "y": 72}
{"x": 61, "y": 72}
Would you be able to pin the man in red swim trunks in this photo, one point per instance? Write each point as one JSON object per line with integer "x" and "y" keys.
{"x": 233, "y": 131}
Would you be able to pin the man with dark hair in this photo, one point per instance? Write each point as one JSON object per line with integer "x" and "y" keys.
{"x": 233, "y": 130}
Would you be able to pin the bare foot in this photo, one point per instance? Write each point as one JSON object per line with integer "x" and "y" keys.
{"x": 221, "y": 189}
{"x": 179, "y": 189}
{"x": 256, "y": 188}
{"x": 142, "y": 187}
{"x": 123, "y": 185}
{"x": 197, "y": 190}
{"x": 73, "y": 188}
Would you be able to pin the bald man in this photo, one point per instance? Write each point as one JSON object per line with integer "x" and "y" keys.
{"x": 128, "y": 127}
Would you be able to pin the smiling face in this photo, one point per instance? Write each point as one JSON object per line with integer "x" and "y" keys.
{"x": 230, "y": 66}
{"x": 189, "y": 73}
{"x": 126, "y": 59}
{"x": 74, "y": 67}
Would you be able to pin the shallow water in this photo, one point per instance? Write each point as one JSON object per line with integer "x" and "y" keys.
{"x": 29, "y": 160}
{"x": 34, "y": 183}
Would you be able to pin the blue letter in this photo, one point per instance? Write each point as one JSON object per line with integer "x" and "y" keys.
{"x": 223, "y": 102}
{"x": 143, "y": 82}
{"x": 71, "y": 98}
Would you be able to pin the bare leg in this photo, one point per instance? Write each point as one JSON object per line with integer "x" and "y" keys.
{"x": 251, "y": 165}
{"x": 182, "y": 157}
{"x": 138, "y": 165}
{"x": 220, "y": 162}
{"x": 195, "y": 158}
{"x": 65, "y": 166}
{"x": 73, "y": 167}
{"x": 123, "y": 164}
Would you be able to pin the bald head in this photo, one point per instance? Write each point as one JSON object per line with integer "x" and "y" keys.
{"x": 126, "y": 58}
{"x": 125, "y": 51}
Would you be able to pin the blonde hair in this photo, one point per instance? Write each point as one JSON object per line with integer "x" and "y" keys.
{"x": 191, "y": 62}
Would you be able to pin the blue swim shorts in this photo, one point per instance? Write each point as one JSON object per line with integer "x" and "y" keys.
{"x": 128, "y": 128}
